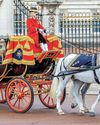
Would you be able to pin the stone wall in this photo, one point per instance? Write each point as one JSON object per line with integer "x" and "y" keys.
{"x": 6, "y": 18}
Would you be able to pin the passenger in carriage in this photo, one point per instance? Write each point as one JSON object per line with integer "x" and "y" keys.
{"x": 34, "y": 28}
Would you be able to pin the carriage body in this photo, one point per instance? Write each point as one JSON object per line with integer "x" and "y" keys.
{"x": 24, "y": 73}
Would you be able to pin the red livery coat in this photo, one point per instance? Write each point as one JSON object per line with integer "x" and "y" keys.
{"x": 32, "y": 25}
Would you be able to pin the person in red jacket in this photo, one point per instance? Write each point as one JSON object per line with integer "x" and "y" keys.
{"x": 34, "y": 28}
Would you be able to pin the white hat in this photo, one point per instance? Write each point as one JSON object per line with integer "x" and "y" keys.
{"x": 33, "y": 9}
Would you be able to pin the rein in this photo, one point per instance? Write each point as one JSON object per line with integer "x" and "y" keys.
{"x": 71, "y": 72}
{"x": 77, "y": 47}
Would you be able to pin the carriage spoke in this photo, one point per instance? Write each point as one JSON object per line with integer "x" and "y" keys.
{"x": 28, "y": 96}
{"x": 52, "y": 101}
{"x": 44, "y": 87}
{"x": 48, "y": 86}
{"x": 12, "y": 98}
{"x": 23, "y": 87}
{"x": 19, "y": 86}
{"x": 45, "y": 97}
{"x": 15, "y": 102}
{"x": 26, "y": 92}
{"x": 12, "y": 90}
{"x": 12, "y": 93}
{"x": 23, "y": 102}
{"x": 18, "y": 103}
{"x": 48, "y": 100}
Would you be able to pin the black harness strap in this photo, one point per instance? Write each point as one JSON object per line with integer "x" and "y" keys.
{"x": 94, "y": 58}
{"x": 63, "y": 65}
{"x": 96, "y": 77}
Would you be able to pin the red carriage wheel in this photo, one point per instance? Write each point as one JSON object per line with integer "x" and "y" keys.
{"x": 46, "y": 99}
{"x": 19, "y": 95}
{"x": 3, "y": 93}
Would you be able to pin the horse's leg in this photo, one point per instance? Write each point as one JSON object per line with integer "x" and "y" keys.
{"x": 60, "y": 89}
{"x": 84, "y": 89}
{"x": 72, "y": 98}
{"x": 76, "y": 93}
{"x": 92, "y": 111}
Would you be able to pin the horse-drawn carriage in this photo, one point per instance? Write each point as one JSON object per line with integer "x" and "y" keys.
{"x": 25, "y": 71}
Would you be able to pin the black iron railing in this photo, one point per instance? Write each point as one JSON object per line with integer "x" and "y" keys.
{"x": 21, "y": 13}
{"x": 80, "y": 34}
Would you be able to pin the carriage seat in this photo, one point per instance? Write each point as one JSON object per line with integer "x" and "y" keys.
{"x": 83, "y": 61}
{"x": 2, "y": 50}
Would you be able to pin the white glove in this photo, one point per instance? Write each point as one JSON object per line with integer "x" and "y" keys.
{"x": 41, "y": 31}
{"x": 44, "y": 46}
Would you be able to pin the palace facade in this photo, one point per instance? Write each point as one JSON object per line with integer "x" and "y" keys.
{"x": 12, "y": 19}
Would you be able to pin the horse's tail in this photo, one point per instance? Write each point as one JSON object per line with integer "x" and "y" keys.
{"x": 54, "y": 87}
{"x": 55, "y": 81}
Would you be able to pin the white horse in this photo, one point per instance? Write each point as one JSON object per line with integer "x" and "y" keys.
{"x": 79, "y": 79}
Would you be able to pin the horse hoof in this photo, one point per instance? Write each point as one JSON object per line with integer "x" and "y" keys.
{"x": 82, "y": 112}
{"x": 87, "y": 111}
{"x": 92, "y": 114}
{"x": 61, "y": 113}
{"x": 73, "y": 105}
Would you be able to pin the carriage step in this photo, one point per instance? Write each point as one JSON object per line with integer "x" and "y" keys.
{"x": 49, "y": 54}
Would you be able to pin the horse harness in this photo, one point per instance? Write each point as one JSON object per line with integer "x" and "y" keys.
{"x": 96, "y": 77}
{"x": 93, "y": 64}
{"x": 95, "y": 74}
{"x": 62, "y": 65}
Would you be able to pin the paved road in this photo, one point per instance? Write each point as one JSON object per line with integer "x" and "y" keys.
{"x": 40, "y": 115}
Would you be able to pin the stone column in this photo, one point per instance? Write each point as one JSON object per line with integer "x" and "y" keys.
{"x": 6, "y": 18}
{"x": 50, "y": 12}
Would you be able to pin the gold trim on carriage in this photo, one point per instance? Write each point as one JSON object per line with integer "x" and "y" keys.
{"x": 22, "y": 50}
{"x": 25, "y": 68}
